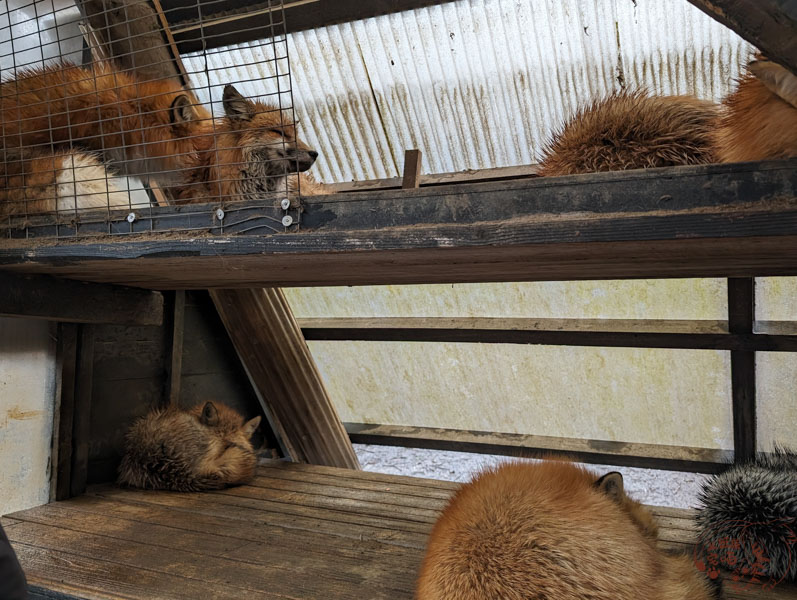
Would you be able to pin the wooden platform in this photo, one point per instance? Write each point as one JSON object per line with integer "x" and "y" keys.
{"x": 297, "y": 532}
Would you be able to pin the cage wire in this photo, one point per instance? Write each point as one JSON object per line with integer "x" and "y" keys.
{"x": 103, "y": 125}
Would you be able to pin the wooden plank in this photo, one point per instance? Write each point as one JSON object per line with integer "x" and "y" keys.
{"x": 627, "y": 454}
{"x": 81, "y": 422}
{"x": 770, "y": 25}
{"x": 66, "y": 372}
{"x": 467, "y": 176}
{"x": 706, "y": 221}
{"x": 741, "y": 317}
{"x": 174, "y": 371}
{"x": 412, "y": 170}
{"x": 281, "y": 369}
{"x": 54, "y": 299}
{"x": 631, "y": 333}
{"x": 230, "y": 22}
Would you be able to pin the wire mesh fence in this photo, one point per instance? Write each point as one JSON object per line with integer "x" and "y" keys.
{"x": 103, "y": 128}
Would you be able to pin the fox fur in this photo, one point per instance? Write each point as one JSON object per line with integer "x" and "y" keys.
{"x": 759, "y": 119}
{"x": 249, "y": 154}
{"x": 204, "y": 448}
{"x": 632, "y": 130}
{"x": 60, "y": 181}
{"x": 753, "y": 504}
{"x": 550, "y": 530}
{"x": 142, "y": 128}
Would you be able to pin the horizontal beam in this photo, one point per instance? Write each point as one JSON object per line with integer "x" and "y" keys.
{"x": 648, "y": 456}
{"x": 770, "y": 25}
{"x": 226, "y": 22}
{"x": 706, "y": 221}
{"x": 468, "y": 176}
{"x": 53, "y": 299}
{"x": 632, "y": 333}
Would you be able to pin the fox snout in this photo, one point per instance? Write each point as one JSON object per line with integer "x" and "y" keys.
{"x": 304, "y": 159}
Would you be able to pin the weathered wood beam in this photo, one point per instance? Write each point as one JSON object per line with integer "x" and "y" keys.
{"x": 612, "y": 333}
{"x": 284, "y": 376}
{"x": 708, "y": 221}
{"x": 53, "y": 299}
{"x": 741, "y": 318}
{"x": 770, "y": 25}
{"x": 649, "y": 456}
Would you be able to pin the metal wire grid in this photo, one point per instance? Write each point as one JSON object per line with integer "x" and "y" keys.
{"x": 49, "y": 175}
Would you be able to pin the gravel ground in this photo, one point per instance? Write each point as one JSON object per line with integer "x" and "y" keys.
{"x": 659, "y": 488}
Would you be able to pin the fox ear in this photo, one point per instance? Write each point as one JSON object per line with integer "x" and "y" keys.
{"x": 210, "y": 415}
{"x": 250, "y": 426}
{"x": 236, "y": 106}
{"x": 182, "y": 109}
{"x": 777, "y": 79}
{"x": 611, "y": 484}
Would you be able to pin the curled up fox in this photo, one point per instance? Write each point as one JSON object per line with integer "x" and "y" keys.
{"x": 68, "y": 130}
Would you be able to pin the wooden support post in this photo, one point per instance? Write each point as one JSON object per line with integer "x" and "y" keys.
{"x": 81, "y": 424}
{"x": 174, "y": 374}
{"x": 278, "y": 362}
{"x": 412, "y": 169}
{"x": 66, "y": 362}
{"x": 741, "y": 316}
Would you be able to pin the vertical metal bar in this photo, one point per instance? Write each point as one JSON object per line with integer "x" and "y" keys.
{"x": 741, "y": 315}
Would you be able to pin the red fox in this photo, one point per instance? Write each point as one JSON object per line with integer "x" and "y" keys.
{"x": 633, "y": 131}
{"x": 142, "y": 128}
{"x": 249, "y": 154}
{"x": 759, "y": 119}
{"x": 550, "y": 530}
{"x": 207, "y": 447}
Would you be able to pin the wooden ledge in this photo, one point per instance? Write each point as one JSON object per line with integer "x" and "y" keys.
{"x": 708, "y": 221}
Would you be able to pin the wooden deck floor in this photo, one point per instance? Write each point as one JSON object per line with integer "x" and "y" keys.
{"x": 296, "y": 532}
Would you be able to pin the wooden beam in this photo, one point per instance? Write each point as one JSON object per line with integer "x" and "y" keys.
{"x": 468, "y": 176}
{"x": 81, "y": 423}
{"x": 66, "y": 372}
{"x": 741, "y": 317}
{"x": 412, "y": 170}
{"x": 648, "y": 456}
{"x": 280, "y": 367}
{"x": 229, "y": 21}
{"x": 707, "y": 221}
{"x": 53, "y": 299}
{"x": 632, "y": 333}
{"x": 770, "y": 25}
{"x": 174, "y": 371}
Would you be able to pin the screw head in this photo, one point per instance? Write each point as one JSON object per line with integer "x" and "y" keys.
{"x": 287, "y": 220}
{"x": 285, "y": 204}
{"x": 131, "y": 217}
{"x": 219, "y": 214}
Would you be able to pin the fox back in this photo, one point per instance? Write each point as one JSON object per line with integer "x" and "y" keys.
{"x": 759, "y": 119}
{"x": 207, "y": 447}
{"x": 633, "y": 131}
{"x": 550, "y": 530}
{"x": 143, "y": 128}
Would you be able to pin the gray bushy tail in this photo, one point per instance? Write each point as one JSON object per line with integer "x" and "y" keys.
{"x": 748, "y": 518}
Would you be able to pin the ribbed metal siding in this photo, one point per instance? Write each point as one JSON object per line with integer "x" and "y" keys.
{"x": 479, "y": 83}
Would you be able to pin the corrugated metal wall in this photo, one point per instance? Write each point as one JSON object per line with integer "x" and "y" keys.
{"x": 484, "y": 83}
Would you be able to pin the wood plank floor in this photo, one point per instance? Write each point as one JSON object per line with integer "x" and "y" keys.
{"x": 297, "y": 531}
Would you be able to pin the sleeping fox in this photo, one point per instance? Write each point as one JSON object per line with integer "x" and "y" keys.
{"x": 207, "y": 447}
{"x": 68, "y": 131}
{"x": 757, "y": 121}
{"x": 550, "y": 530}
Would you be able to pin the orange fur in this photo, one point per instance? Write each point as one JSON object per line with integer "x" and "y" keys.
{"x": 550, "y": 531}
{"x": 633, "y": 131}
{"x": 759, "y": 119}
{"x": 139, "y": 127}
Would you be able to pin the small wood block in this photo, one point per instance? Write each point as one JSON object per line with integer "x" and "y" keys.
{"x": 412, "y": 169}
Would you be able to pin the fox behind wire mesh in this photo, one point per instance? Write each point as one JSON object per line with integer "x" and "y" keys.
{"x": 551, "y": 530}
{"x": 632, "y": 130}
{"x": 206, "y": 447}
